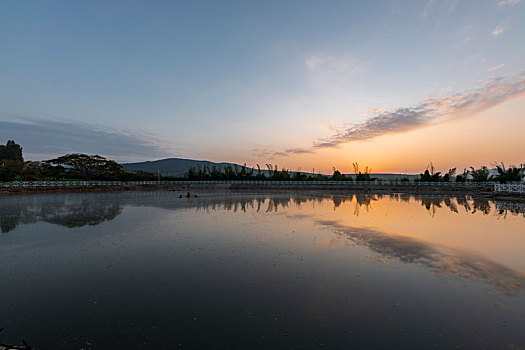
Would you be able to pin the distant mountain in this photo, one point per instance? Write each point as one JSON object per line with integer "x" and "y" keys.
{"x": 172, "y": 166}
{"x": 179, "y": 167}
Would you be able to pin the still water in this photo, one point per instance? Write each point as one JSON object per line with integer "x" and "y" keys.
{"x": 150, "y": 270}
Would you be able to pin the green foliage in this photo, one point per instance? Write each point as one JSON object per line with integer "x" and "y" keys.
{"x": 273, "y": 173}
{"x": 430, "y": 175}
{"x": 362, "y": 175}
{"x": 95, "y": 167}
{"x": 513, "y": 173}
{"x": 448, "y": 176}
{"x": 227, "y": 172}
{"x": 479, "y": 175}
{"x": 462, "y": 177}
{"x": 276, "y": 174}
{"x": 6, "y": 174}
{"x": 11, "y": 161}
{"x": 337, "y": 176}
{"x": 33, "y": 171}
{"x": 427, "y": 176}
{"x": 88, "y": 167}
{"x": 11, "y": 151}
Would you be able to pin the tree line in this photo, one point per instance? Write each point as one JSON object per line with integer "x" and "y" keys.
{"x": 77, "y": 166}
{"x": 483, "y": 174}
{"x": 272, "y": 172}
{"x": 73, "y": 166}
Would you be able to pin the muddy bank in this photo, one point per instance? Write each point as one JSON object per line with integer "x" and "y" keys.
{"x": 347, "y": 189}
{"x": 62, "y": 189}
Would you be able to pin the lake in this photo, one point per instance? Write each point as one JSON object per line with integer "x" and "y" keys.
{"x": 150, "y": 270}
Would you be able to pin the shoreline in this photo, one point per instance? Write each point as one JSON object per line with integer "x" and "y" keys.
{"x": 274, "y": 188}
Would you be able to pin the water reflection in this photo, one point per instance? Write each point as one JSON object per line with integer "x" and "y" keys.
{"x": 61, "y": 210}
{"x": 439, "y": 259}
{"x": 303, "y": 269}
{"x": 365, "y": 202}
{"x": 80, "y": 210}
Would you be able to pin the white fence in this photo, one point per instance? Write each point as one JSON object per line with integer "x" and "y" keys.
{"x": 76, "y": 183}
{"x": 254, "y": 182}
{"x": 512, "y": 188}
{"x": 511, "y": 206}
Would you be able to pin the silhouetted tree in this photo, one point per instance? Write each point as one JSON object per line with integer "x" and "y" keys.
{"x": 479, "y": 175}
{"x": 430, "y": 175}
{"x": 11, "y": 161}
{"x": 513, "y": 173}
{"x": 11, "y": 151}
{"x": 462, "y": 177}
{"x": 88, "y": 167}
{"x": 449, "y": 175}
{"x": 337, "y": 176}
{"x": 364, "y": 175}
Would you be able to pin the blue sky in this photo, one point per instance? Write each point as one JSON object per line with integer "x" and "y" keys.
{"x": 237, "y": 80}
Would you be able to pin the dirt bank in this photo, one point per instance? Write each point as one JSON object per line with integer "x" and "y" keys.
{"x": 346, "y": 189}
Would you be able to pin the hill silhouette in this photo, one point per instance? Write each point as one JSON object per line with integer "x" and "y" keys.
{"x": 179, "y": 167}
{"x": 173, "y": 166}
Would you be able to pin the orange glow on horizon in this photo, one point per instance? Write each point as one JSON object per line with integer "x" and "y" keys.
{"x": 495, "y": 134}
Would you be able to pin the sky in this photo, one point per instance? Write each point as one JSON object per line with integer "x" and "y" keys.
{"x": 306, "y": 85}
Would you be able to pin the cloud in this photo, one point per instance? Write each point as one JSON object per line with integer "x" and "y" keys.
{"x": 313, "y": 62}
{"x": 328, "y": 68}
{"x": 497, "y": 31}
{"x": 429, "y": 112}
{"x": 508, "y": 2}
{"x": 438, "y": 259}
{"x": 446, "y": 6}
{"x": 429, "y": 8}
{"x": 495, "y": 68}
{"x": 44, "y": 139}
{"x": 268, "y": 154}
{"x": 263, "y": 153}
{"x": 298, "y": 151}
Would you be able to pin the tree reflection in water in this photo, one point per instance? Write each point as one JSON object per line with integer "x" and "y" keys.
{"x": 92, "y": 209}
{"x": 76, "y": 211}
{"x": 66, "y": 211}
{"x": 364, "y": 202}
{"x": 434, "y": 257}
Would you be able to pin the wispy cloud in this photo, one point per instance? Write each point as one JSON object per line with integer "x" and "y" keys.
{"x": 429, "y": 112}
{"x": 443, "y": 5}
{"x": 43, "y": 139}
{"x": 429, "y": 7}
{"x": 328, "y": 68}
{"x": 268, "y": 154}
{"x": 436, "y": 258}
{"x": 508, "y": 2}
{"x": 498, "y": 31}
{"x": 373, "y": 111}
{"x": 495, "y": 68}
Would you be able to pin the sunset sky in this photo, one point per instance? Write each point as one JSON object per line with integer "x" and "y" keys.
{"x": 303, "y": 84}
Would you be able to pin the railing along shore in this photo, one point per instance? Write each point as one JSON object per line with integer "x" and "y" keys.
{"x": 496, "y": 187}
{"x": 510, "y": 187}
{"x": 248, "y": 182}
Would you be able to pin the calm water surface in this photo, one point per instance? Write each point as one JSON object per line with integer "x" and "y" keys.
{"x": 291, "y": 271}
